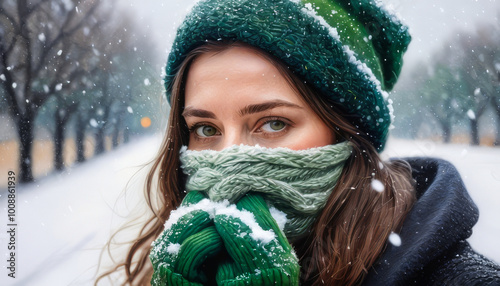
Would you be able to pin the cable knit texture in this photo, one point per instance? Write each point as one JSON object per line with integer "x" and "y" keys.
{"x": 207, "y": 243}
{"x": 297, "y": 183}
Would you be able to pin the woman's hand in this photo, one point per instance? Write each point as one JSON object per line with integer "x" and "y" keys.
{"x": 259, "y": 252}
{"x": 189, "y": 239}
{"x": 244, "y": 241}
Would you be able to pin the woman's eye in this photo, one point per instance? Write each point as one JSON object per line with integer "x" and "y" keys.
{"x": 206, "y": 131}
{"x": 274, "y": 126}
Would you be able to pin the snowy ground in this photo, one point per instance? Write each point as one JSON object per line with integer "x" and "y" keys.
{"x": 64, "y": 220}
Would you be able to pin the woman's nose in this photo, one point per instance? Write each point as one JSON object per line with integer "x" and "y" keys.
{"x": 234, "y": 137}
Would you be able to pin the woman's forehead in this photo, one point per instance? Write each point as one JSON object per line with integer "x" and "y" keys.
{"x": 237, "y": 77}
{"x": 234, "y": 59}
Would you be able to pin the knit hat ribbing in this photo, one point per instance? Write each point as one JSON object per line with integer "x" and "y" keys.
{"x": 350, "y": 51}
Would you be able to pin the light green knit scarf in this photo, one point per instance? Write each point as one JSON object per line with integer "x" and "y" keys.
{"x": 298, "y": 183}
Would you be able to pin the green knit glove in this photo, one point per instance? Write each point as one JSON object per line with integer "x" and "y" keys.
{"x": 189, "y": 239}
{"x": 259, "y": 251}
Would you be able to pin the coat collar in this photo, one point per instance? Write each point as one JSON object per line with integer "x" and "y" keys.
{"x": 443, "y": 215}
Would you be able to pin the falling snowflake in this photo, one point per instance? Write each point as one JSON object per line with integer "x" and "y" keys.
{"x": 477, "y": 91}
{"x": 93, "y": 122}
{"x": 395, "y": 239}
{"x": 41, "y": 37}
{"x": 471, "y": 114}
{"x": 377, "y": 185}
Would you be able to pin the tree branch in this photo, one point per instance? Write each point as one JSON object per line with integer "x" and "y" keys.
{"x": 35, "y": 7}
{"x": 11, "y": 19}
{"x": 63, "y": 34}
{"x": 14, "y": 108}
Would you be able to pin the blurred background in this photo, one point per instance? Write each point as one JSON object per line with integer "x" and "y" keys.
{"x": 83, "y": 113}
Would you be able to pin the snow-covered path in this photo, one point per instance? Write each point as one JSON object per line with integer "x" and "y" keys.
{"x": 64, "y": 220}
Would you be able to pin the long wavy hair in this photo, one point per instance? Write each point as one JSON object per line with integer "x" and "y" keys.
{"x": 351, "y": 231}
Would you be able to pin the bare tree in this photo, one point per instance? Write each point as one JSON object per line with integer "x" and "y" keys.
{"x": 410, "y": 108}
{"x": 476, "y": 81}
{"x": 441, "y": 92}
{"x": 61, "y": 118}
{"x": 487, "y": 61}
{"x": 125, "y": 74}
{"x": 464, "y": 80}
{"x": 35, "y": 38}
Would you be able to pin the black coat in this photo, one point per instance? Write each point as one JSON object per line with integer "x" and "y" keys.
{"x": 433, "y": 249}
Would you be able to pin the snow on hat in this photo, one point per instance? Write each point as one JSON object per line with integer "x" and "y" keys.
{"x": 350, "y": 51}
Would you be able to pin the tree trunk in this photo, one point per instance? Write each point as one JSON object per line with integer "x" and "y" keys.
{"x": 446, "y": 127}
{"x": 126, "y": 134}
{"x": 116, "y": 131}
{"x": 495, "y": 100}
{"x": 99, "y": 141}
{"x": 61, "y": 118}
{"x": 115, "y": 141}
{"x": 497, "y": 137}
{"x": 58, "y": 141}
{"x": 474, "y": 132}
{"x": 81, "y": 124}
{"x": 26, "y": 137}
{"x": 100, "y": 133}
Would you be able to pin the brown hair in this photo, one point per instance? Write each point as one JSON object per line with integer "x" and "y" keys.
{"x": 350, "y": 232}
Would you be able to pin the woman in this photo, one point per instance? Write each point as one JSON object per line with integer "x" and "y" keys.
{"x": 282, "y": 107}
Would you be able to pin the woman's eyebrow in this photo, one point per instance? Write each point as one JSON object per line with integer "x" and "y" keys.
{"x": 193, "y": 112}
{"x": 256, "y": 108}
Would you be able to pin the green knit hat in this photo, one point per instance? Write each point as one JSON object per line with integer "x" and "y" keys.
{"x": 350, "y": 51}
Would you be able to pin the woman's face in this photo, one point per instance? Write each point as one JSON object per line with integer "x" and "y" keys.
{"x": 239, "y": 97}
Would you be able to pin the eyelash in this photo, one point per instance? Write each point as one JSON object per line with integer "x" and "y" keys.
{"x": 192, "y": 130}
{"x": 266, "y": 120}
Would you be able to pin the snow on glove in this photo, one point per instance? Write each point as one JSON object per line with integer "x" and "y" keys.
{"x": 188, "y": 240}
{"x": 259, "y": 251}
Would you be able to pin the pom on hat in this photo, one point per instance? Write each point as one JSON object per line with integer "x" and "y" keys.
{"x": 350, "y": 51}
